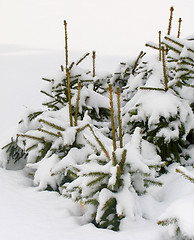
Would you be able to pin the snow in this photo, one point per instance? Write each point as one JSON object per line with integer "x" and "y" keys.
{"x": 30, "y": 213}
{"x": 43, "y": 177}
{"x": 165, "y": 104}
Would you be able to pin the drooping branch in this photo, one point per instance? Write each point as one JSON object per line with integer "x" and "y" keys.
{"x": 97, "y": 139}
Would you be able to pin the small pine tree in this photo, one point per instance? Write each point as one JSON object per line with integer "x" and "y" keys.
{"x": 159, "y": 110}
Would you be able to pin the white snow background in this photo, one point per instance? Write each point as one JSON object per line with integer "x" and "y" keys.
{"x": 31, "y": 46}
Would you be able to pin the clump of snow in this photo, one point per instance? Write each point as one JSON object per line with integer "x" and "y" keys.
{"x": 42, "y": 176}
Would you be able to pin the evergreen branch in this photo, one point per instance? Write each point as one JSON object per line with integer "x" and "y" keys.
{"x": 97, "y": 139}
{"x": 94, "y": 174}
{"x": 92, "y": 201}
{"x": 50, "y": 133}
{"x": 82, "y": 58}
{"x": 14, "y": 152}
{"x": 62, "y": 68}
{"x": 172, "y": 48}
{"x": 167, "y": 221}
{"x": 46, "y": 79}
{"x": 72, "y": 64}
{"x": 151, "y": 45}
{"x": 150, "y": 88}
{"x": 188, "y": 85}
{"x": 64, "y": 170}
{"x": 73, "y": 83}
{"x": 185, "y": 175}
{"x": 52, "y": 125}
{"x": 185, "y": 70}
{"x": 76, "y": 76}
{"x": 51, "y": 105}
{"x": 186, "y": 61}
{"x": 148, "y": 182}
{"x": 71, "y": 174}
{"x": 100, "y": 143}
{"x": 32, "y": 137}
{"x": 82, "y": 81}
{"x": 171, "y": 59}
{"x": 177, "y": 43}
{"x": 109, "y": 202}
{"x": 92, "y": 145}
{"x": 96, "y": 181}
{"x": 34, "y": 115}
{"x": 32, "y": 147}
{"x": 157, "y": 166}
{"x": 7, "y": 145}
{"x": 137, "y": 60}
{"x": 46, "y": 93}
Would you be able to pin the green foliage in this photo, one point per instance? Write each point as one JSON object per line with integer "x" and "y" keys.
{"x": 182, "y": 55}
{"x": 170, "y": 151}
{"x": 109, "y": 219}
{"x": 121, "y": 77}
{"x": 14, "y": 152}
